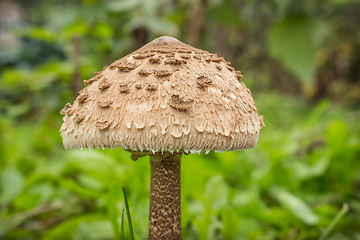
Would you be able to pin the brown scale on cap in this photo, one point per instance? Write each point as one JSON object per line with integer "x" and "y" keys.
{"x": 138, "y": 85}
{"x": 218, "y": 66}
{"x": 170, "y": 55}
{"x": 126, "y": 66}
{"x": 84, "y": 95}
{"x": 155, "y": 59}
{"x": 230, "y": 68}
{"x": 174, "y": 61}
{"x": 162, "y": 73}
{"x": 93, "y": 79}
{"x": 143, "y": 55}
{"x": 114, "y": 64}
{"x": 198, "y": 57}
{"x": 104, "y": 104}
{"x": 213, "y": 58}
{"x": 104, "y": 84}
{"x": 102, "y": 124}
{"x": 78, "y": 118}
{"x": 185, "y": 56}
{"x": 144, "y": 72}
{"x": 152, "y": 87}
{"x": 124, "y": 88}
{"x": 203, "y": 81}
{"x": 217, "y": 60}
{"x": 262, "y": 123}
{"x": 180, "y": 104}
{"x": 70, "y": 112}
{"x": 184, "y": 51}
{"x": 207, "y": 59}
{"x": 238, "y": 75}
{"x": 66, "y": 109}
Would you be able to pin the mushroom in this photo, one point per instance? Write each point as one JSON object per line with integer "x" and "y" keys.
{"x": 185, "y": 106}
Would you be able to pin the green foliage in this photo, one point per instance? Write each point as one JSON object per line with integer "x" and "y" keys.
{"x": 294, "y": 41}
{"x": 225, "y": 13}
{"x": 338, "y": 216}
{"x": 12, "y": 183}
{"x": 296, "y": 177}
{"x": 294, "y": 204}
{"x": 290, "y": 186}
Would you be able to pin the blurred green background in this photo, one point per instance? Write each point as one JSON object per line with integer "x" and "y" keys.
{"x": 301, "y": 60}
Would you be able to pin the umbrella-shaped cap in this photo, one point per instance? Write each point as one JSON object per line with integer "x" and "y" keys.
{"x": 166, "y": 96}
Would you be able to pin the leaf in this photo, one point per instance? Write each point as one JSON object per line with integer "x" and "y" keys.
{"x": 226, "y": 13}
{"x": 249, "y": 226}
{"x": 317, "y": 112}
{"x": 65, "y": 229}
{"x": 337, "y": 135}
{"x": 76, "y": 188}
{"x": 81, "y": 232}
{"x": 214, "y": 199}
{"x": 100, "y": 229}
{"x": 196, "y": 208}
{"x": 213, "y": 228}
{"x": 10, "y": 77}
{"x": 295, "y": 205}
{"x": 19, "y": 144}
{"x": 11, "y": 184}
{"x": 231, "y": 223}
{"x": 90, "y": 182}
{"x": 103, "y": 30}
{"x": 40, "y": 34}
{"x": 293, "y": 41}
{"x": 216, "y": 193}
{"x": 85, "y": 227}
{"x": 97, "y": 164}
{"x": 244, "y": 197}
{"x": 35, "y": 194}
{"x": 122, "y": 6}
{"x": 77, "y": 28}
{"x": 301, "y": 170}
{"x": 339, "y": 215}
{"x": 14, "y": 111}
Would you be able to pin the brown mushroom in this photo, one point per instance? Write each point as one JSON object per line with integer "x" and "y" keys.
{"x": 190, "y": 106}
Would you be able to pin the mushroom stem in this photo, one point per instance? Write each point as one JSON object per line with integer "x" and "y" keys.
{"x": 165, "y": 197}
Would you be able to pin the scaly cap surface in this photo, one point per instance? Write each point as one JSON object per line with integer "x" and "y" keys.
{"x": 165, "y": 96}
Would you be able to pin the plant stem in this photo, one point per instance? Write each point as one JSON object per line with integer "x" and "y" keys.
{"x": 76, "y": 84}
{"x": 165, "y": 197}
{"x": 338, "y": 216}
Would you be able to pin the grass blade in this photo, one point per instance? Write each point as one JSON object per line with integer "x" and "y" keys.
{"x": 128, "y": 216}
{"x": 122, "y": 227}
{"x": 338, "y": 216}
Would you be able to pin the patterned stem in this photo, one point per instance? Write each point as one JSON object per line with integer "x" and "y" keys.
{"x": 165, "y": 198}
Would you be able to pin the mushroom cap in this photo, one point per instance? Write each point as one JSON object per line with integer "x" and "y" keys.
{"x": 165, "y": 96}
